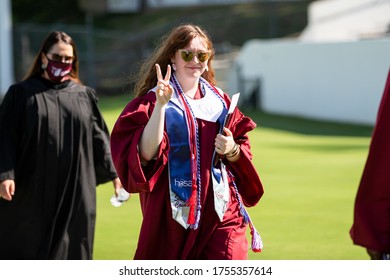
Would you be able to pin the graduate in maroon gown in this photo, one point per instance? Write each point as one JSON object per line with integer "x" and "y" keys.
{"x": 371, "y": 227}
{"x": 164, "y": 144}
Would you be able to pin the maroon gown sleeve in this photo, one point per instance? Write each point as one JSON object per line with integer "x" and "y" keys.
{"x": 125, "y": 137}
{"x": 246, "y": 176}
{"x": 371, "y": 225}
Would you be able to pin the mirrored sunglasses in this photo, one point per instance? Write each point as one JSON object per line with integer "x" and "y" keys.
{"x": 188, "y": 55}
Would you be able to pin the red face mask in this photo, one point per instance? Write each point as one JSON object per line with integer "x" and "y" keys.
{"x": 58, "y": 70}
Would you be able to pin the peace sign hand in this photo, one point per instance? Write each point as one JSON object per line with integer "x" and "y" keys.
{"x": 164, "y": 89}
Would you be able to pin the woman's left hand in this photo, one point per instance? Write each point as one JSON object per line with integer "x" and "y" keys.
{"x": 117, "y": 186}
{"x": 224, "y": 143}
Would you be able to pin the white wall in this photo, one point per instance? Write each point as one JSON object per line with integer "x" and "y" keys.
{"x": 346, "y": 20}
{"x": 329, "y": 81}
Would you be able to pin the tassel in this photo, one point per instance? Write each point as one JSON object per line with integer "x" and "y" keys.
{"x": 192, "y": 201}
{"x": 192, "y": 204}
{"x": 257, "y": 243}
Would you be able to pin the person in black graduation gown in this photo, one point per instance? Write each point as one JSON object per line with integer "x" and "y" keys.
{"x": 54, "y": 151}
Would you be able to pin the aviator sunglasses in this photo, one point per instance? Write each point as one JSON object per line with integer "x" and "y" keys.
{"x": 188, "y": 55}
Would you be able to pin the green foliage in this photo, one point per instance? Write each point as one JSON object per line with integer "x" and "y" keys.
{"x": 310, "y": 171}
{"x": 111, "y": 46}
{"x": 46, "y": 11}
{"x": 261, "y": 19}
{"x": 241, "y": 22}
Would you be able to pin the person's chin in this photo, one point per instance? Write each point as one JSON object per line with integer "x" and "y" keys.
{"x": 196, "y": 73}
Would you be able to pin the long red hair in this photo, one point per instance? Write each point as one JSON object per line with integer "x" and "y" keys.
{"x": 178, "y": 38}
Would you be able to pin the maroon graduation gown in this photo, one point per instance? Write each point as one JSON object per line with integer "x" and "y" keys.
{"x": 161, "y": 237}
{"x": 371, "y": 227}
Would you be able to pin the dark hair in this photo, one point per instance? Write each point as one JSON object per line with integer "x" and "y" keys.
{"x": 54, "y": 38}
{"x": 178, "y": 38}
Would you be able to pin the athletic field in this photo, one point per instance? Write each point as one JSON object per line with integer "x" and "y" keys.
{"x": 310, "y": 171}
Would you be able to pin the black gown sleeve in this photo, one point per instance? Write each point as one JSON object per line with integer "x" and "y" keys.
{"x": 10, "y": 115}
{"x": 104, "y": 167}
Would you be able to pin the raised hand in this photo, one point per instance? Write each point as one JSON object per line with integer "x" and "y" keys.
{"x": 164, "y": 90}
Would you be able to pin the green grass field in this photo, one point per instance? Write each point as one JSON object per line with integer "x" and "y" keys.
{"x": 310, "y": 171}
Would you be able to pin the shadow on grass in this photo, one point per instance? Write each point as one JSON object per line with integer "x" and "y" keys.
{"x": 307, "y": 126}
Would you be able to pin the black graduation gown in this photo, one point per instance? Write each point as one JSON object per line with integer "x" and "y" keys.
{"x": 55, "y": 144}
